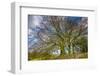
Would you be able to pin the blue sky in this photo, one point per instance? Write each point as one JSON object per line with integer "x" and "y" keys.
{"x": 74, "y": 19}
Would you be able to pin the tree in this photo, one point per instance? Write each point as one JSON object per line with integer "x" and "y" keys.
{"x": 60, "y": 32}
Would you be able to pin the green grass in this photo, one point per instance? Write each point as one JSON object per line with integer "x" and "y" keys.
{"x": 46, "y": 56}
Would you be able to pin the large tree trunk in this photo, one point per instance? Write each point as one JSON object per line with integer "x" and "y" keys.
{"x": 62, "y": 48}
{"x": 69, "y": 49}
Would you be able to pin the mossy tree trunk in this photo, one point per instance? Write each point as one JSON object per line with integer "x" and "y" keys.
{"x": 62, "y": 48}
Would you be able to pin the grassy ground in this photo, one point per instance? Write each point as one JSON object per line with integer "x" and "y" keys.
{"x": 45, "y": 56}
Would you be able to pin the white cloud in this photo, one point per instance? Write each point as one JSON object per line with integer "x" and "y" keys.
{"x": 36, "y": 20}
{"x": 29, "y": 31}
